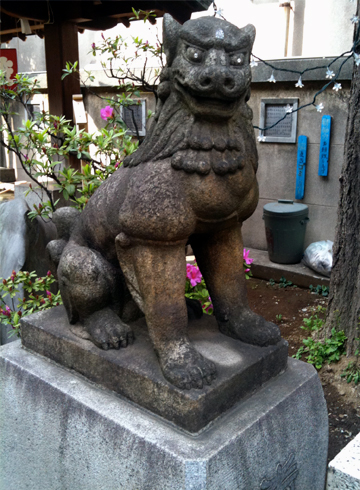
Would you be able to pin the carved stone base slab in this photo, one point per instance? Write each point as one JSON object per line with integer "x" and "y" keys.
{"x": 59, "y": 431}
{"x": 134, "y": 372}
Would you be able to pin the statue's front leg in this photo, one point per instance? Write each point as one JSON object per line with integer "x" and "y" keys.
{"x": 156, "y": 275}
{"x": 220, "y": 258}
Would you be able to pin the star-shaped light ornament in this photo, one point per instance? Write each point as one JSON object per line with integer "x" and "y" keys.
{"x": 320, "y": 107}
{"x": 329, "y": 73}
{"x": 299, "y": 83}
{"x": 272, "y": 78}
{"x": 337, "y": 87}
{"x": 261, "y": 138}
{"x": 219, "y": 13}
{"x": 357, "y": 59}
{"x": 355, "y": 19}
{"x": 288, "y": 109}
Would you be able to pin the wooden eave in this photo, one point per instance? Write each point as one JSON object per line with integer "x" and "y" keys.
{"x": 86, "y": 14}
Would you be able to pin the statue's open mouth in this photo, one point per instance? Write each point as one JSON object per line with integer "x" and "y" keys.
{"x": 215, "y": 105}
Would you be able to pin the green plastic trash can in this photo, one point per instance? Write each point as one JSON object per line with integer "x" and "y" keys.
{"x": 285, "y": 226}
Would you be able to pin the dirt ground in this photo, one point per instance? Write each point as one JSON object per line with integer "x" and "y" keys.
{"x": 287, "y": 307}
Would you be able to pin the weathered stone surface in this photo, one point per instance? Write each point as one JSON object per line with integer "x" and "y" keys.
{"x": 60, "y": 432}
{"x": 298, "y": 274}
{"x": 344, "y": 469}
{"x": 135, "y": 373}
{"x": 192, "y": 180}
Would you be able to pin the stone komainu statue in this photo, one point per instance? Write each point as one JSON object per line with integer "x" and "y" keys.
{"x": 191, "y": 181}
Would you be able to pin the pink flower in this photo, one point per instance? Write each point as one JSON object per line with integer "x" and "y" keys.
{"x": 106, "y": 113}
{"x": 193, "y": 274}
{"x": 247, "y": 259}
{"x": 7, "y": 312}
{"x": 93, "y": 45}
{"x": 48, "y": 294}
{"x": 48, "y": 273}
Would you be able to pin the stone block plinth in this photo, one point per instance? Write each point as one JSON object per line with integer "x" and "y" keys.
{"x": 59, "y": 431}
{"x": 135, "y": 373}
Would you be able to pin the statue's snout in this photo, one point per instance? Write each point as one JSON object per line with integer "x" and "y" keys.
{"x": 218, "y": 80}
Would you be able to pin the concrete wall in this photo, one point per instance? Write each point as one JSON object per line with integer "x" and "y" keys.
{"x": 277, "y": 161}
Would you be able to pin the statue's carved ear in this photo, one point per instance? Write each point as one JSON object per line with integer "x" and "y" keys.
{"x": 171, "y": 29}
{"x": 251, "y": 32}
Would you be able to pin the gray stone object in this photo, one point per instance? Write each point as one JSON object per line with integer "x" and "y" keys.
{"x": 22, "y": 247}
{"x": 344, "y": 470}
{"x": 192, "y": 180}
{"x": 61, "y": 432}
{"x": 135, "y": 373}
{"x": 7, "y": 174}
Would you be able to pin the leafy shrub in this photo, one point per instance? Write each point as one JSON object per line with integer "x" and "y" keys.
{"x": 323, "y": 290}
{"x": 37, "y": 290}
{"x": 352, "y": 373}
{"x": 318, "y": 352}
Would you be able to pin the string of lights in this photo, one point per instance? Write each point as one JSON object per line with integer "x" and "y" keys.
{"x": 329, "y": 74}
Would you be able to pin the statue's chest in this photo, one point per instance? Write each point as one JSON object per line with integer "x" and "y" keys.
{"x": 216, "y": 197}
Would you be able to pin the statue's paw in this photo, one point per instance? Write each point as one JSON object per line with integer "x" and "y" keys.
{"x": 250, "y": 328}
{"x": 107, "y": 331}
{"x": 184, "y": 367}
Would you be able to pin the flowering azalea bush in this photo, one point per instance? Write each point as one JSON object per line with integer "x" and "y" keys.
{"x": 38, "y": 297}
{"x": 195, "y": 287}
{"x": 45, "y": 144}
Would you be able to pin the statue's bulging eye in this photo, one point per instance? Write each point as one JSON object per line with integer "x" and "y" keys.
{"x": 237, "y": 59}
{"x": 194, "y": 54}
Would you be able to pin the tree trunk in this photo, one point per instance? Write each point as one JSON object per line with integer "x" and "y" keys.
{"x": 344, "y": 299}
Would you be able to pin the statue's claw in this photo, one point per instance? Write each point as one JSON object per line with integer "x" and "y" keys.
{"x": 184, "y": 367}
{"x": 107, "y": 331}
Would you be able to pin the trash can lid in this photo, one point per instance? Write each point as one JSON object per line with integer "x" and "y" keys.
{"x": 285, "y": 207}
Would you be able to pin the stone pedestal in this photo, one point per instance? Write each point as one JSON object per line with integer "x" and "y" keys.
{"x": 59, "y": 431}
{"x": 135, "y": 373}
{"x": 344, "y": 469}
